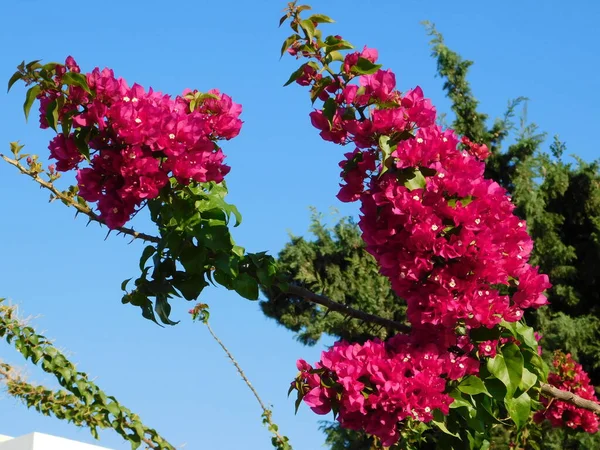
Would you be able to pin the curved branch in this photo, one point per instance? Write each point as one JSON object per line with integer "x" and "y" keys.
{"x": 345, "y": 309}
{"x": 84, "y": 209}
{"x": 569, "y": 397}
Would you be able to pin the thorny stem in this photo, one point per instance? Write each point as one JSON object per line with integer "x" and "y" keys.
{"x": 82, "y": 208}
{"x": 267, "y": 413}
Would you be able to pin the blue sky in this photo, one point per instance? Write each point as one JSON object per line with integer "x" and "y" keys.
{"x": 55, "y": 268}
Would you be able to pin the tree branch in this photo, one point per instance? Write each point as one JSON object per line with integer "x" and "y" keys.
{"x": 569, "y": 397}
{"x": 84, "y": 405}
{"x": 84, "y": 209}
{"x": 345, "y": 309}
{"x": 280, "y": 442}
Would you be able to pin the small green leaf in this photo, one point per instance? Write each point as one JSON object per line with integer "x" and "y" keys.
{"x": 76, "y": 79}
{"x": 514, "y": 364}
{"x": 473, "y": 385}
{"x": 52, "y": 114}
{"x": 163, "y": 309}
{"x": 329, "y": 108}
{"x": 528, "y": 381}
{"x": 320, "y": 18}
{"x": 335, "y": 56}
{"x": 438, "y": 420}
{"x": 365, "y": 67}
{"x": 519, "y": 409}
{"x": 309, "y": 27}
{"x": 459, "y": 401}
{"x": 497, "y": 367}
{"x": 146, "y": 254}
{"x": 30, "y": 97}
{"x": 412, "y": 179}
{"x": 16, "y": 77}
{"x": 288, "y": 43}
{"x": 246, "y": 286}
{"x": 124, "y": 284}
{"x": 294, "y": 76}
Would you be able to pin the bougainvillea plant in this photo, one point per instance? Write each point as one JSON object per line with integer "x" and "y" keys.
{"x": 453, "y": 249}
{"x": 445, "y": 236}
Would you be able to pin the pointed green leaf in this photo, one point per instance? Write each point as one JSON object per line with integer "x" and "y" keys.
{"x": 320, "y": 18}
{"x": 365, "y": 67}
{"x": 473, "y": 385}
{"x": 30, "y": 97}
{"x": 76, "y": 79}
{"x": 16, "y": 77}
{"x": 519, "y": 409}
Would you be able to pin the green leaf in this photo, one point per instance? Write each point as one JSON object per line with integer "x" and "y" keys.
{"x": 519, "y": 409}
{"x": 309, "y": 27}
{"x": 329, "y": 108}
{"x": 76, "y": 79}
{"x": 365, "y": 67}
{"x": 527, "y": 335}
{"x": 163, "y": 309}
{"x": 459, "y": 401}
{"x": 288, "y": 43}
{"x": 320, "y": 18}
{"x": 81, "y": 143}
{"x": 473, "y": 385}
{"x": 412, "y": 179}
{"x": 334, "y": 43}
{"x": 16, "y": 77}
{"x": 294, "y": 76}
{"x": 124, "y": 284}
{"x": 513, "y": 359}
{"x": 497, "y": 367}
{"x": 438, "y": 420}
{"x": 496, "y": 388}
{"x": 528, "y": 380}
{"x": 246, "y": 286}
{"x": 52, "y": 114}
{"x": 30, "y": 97}
{"x": 146, "y": 254}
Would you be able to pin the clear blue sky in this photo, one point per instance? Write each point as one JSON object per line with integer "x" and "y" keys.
{"x": 176, "y": 378}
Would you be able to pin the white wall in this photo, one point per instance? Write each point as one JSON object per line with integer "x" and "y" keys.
{"x": 39, "y": 441}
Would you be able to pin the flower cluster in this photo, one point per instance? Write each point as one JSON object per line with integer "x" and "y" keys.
{"x": 569, "y": 376}
{"x": 374, "y": 386}
{"x": 137, "y": 138}
{"x": 445, "y": 236}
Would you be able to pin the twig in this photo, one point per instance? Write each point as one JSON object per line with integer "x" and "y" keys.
{"x": 345, "y": 309}
{"x": 282, "y": 440}
{"x": 79, "y": 207}
{"x": 569, "y": 397}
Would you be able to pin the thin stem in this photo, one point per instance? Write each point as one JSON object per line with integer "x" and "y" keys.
{"x": 282, "y": 440}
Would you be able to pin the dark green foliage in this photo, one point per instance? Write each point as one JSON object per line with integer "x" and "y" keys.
{"x": 561, "y": 203}
{"x": 337, "y": 266}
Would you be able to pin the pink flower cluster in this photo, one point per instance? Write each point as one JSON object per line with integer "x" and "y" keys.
{"x": 446, "y": 237}
{"x": 375, "y": 386}
{"x": 569, "y": 376}
{"x": 138, "y": 139}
